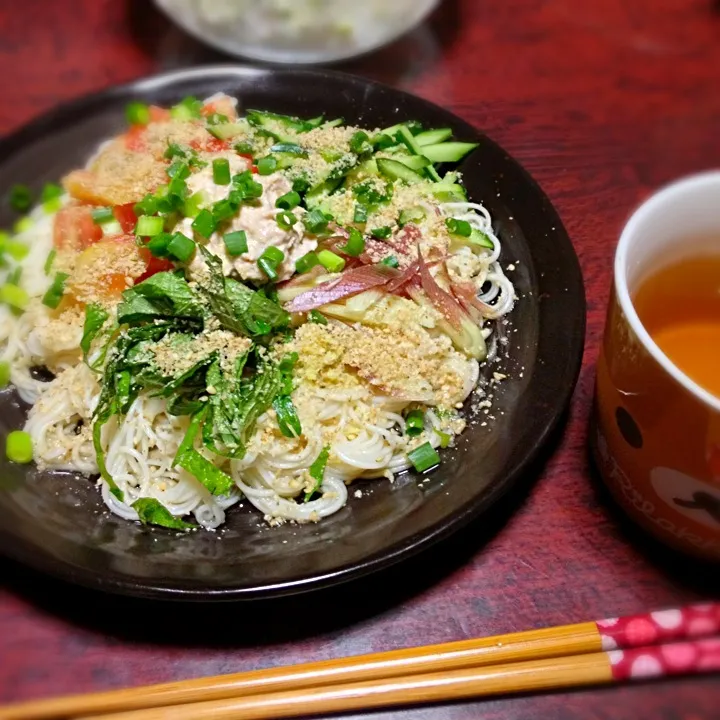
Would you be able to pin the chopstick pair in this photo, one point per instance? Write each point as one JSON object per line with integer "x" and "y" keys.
{"x": 658, "y": 644}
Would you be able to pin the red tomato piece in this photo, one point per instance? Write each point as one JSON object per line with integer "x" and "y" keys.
{"x": 125, "y": 215}
{"x": 158, "y": 114}
{"x": 135, "y": 138}
{"x": 75, "y": 228}
{"x": 154, "y": 265}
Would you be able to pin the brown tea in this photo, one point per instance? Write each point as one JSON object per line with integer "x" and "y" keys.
{"x": 680, "y": 308}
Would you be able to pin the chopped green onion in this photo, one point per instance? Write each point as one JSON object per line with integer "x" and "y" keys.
{"x": 217, "y": 119}
{"x": 236, "y": 243}
{"x": 4, "y": 237}
{"x": 147, "y": 206}
{"x": 191, "y": 206}
{"x": 137, "y": 113}
{"x": 390, "y": 261}
{"x": 355, "y": 244}
{"x": 315, "y": 317}
{"x": 23, "y": 225}
{"x": 424, "y": 457}
{"x": 20, "y": 198}
{"x": 361, "y": 214}
{"x": 315, "y": 221}
{"x": 4, "y": 373}
{"x": 306, "y": 262}
{"x": 53, "y": 205}
{"x": 223, "y": 210}
{"x": 288, "y": 201}
{"x": 102, "y": 215}
{"x": 384, "y": 141}
{"x": 444, "y": 438}
{"x": 270, "y": 259}
{"x": 17, "y": 250}
{"x": 243, "y": 148}
{"x": 181, "y": 247}
{"x": 300, "y": 185}
{"x": 285, "y": 220}
{"x": 359, "y": 142}
{"x": 14, "y": 277}
{"x": 381, "y": 233}
{"x": 204, "y": 224}
{"x": 186, "y": 109}
{"x": 414, "y": 423}
{"x": 112, "y": 228}
{"x": 178, "y": 169}
{"x": 14, "y": 296}
{"x": 221, "y": 171}
{"x": 174, "y": 151}
{"x": 49, "y": 260}
{"x": 317, "y": 471}
{"x": 244, "y": 183}
{"x": 274, "y": 254}
{"x": 158, "y": 245}
{"x": 287, "y": 417}
{"x": 268, "y": 268}
{"x": 459, "y": 227}
{"x": 51, "y": 191}
{"x": 330, "y": 261}
{"x": 55, "y": 292}
{"x": 147, "y": 226}
{"x": 19, "y": 447}
{"x": 267, "y": 165}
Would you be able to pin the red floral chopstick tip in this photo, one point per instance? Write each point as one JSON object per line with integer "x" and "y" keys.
{"x": 633, "y": 631}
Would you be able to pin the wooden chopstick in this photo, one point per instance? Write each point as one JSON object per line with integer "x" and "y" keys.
{"x": 534, "y": 645}
{"x": 549, "y": 673}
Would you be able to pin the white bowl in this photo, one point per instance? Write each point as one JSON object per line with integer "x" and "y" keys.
{"x": 297, "y": 31}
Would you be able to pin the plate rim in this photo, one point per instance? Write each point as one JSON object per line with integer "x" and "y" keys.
{"x": 20, "y": 550}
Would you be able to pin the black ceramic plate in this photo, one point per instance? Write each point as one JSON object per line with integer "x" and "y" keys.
{"x": 56, "y": 522}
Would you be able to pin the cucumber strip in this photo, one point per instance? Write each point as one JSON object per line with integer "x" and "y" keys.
{"x": 333, "y": 123}
{"x": 413, "y": 214}
{"x": 394, "y": 170}
{"x": 414, "y": 162}
{"x": 406, "y": 136}
{"x": 448, "y": 152}
{"x": 433, "y": 137}
{"x": 476, "y": 240}
{"x": 446, "y": 192}
{"x": 367, "y": 168}
{"x": 477, "y": 237}
{"x": 227, "y": 131}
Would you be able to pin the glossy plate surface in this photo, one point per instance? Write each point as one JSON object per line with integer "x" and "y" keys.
{"x": 57, "y": 523}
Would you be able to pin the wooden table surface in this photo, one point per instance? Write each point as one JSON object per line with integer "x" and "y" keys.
{"x": 601, "y": 101}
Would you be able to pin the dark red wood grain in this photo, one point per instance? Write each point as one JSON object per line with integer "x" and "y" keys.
{"x": 601, "y": 101}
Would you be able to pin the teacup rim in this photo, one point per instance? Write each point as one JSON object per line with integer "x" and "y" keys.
{"x": 650, "y": 206}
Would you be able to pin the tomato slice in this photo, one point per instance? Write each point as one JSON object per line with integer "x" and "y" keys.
{"x": 211, "y": 145}
{"x": 135, "y": 138}
{"x": 125, "y": 215}
{"x": 154, "y": 265}
{"x": 158, "y": 114}
{"x": 75, "y": 228}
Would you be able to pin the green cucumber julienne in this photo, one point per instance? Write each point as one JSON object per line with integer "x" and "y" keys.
{"x": 433, "y": 137}
{"x": 448, "y": 152}
{"x": 394, "y": 170}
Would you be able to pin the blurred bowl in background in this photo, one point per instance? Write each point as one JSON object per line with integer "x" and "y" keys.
{"x": 297, "y": 31}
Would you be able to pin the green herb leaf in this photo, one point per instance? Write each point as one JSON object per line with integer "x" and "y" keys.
{"x": 151, "y": 512}
{"x": 95, "y": 317}
{"x": 160, "y": 296}
{"x": 317, "y": 471}
{"x": 237, "y": 307}
{"x": 214, "y": 479}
